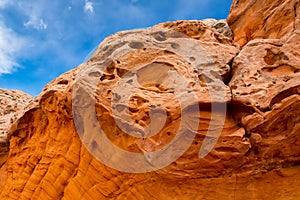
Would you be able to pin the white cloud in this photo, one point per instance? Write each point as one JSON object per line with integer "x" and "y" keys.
{"x": 37, "y": 24}
{"x": 10, "y": 45}
{"x": 36, "y": 13}
{"x": 3, "y": 3}
{"x": 88, "y": 7}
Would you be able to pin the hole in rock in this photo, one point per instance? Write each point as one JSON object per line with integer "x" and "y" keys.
{"x": 107, "y": 77}
{"x": 63, "y": 82}
{"x": 272, "y": 56}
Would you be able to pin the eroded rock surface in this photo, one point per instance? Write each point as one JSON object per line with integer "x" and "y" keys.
{"x": 221, "y": 26}
{"x": 170, "y": 70}
{"x": 11, "y": 104}
{"x": 189, "y": 48}
{"x": 251, "y": 19}
{"x": 266, "y": 76}
{"x": 266, "y": 83}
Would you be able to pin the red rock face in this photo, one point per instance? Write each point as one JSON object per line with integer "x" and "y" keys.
{"x": 265, "y": 81}
{"x": 183, "y": 112}
{"x": 251, "y": 19}
{"x": 12, "y": 103}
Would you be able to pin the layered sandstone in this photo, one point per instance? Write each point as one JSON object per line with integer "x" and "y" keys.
{"x": 231, "y": 116}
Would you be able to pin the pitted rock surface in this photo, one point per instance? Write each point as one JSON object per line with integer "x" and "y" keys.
{"x": 265, "y": 82}
{"x": 220, "y": 26}
{"x": 189, "y": 48}
{"x": 134, "y": 74}
{"x": 265, "y": 72}
{"x": 11, "y": 104}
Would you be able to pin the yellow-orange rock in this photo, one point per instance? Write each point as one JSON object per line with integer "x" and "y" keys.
{"x": 171, "y": 70}
{"x": 274, "y": 19}
{"x": 266, "y": 85}
{"x": 47, "y": 158}
{"x": 12, "y": 102}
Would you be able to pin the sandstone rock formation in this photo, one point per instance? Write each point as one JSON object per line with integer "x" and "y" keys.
{"x": 221, "y": 26}
{"x": 231, "y": 114}
{"x": 266, "y": 83}
{"x": 266, "y": 76}
{"x": 251, "y": 19}
{"x": 12, "y": 102}
{"x": 49, "y": 120}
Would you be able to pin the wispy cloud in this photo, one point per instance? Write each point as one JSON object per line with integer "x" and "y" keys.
{"x": 88, "y": 7}
{"x": 34, "y": 13}
{"x": 10, "y": 45}
{"x": 37, "y": 24}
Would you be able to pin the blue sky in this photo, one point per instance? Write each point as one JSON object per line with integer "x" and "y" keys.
{"x": 41, "y": 39}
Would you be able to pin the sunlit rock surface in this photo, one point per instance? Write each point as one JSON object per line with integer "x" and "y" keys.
{"x": 12, "y": 103}
{"x": 231, "y": 113}
{"x": 273, "y": 19}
